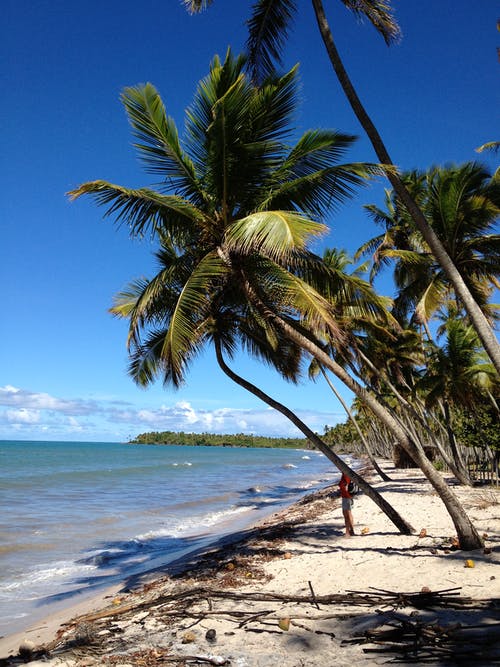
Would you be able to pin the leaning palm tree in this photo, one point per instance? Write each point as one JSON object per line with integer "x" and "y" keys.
{"x": 242, "y": 206}
{"x": 234, "y": 166}
{"x": 348, "y": 309}
{"x": 224, "y": 328}
{"x": 268, "y": 31}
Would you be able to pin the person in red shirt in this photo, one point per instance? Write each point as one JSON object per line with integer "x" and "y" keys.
{"x": 347, "y": 503}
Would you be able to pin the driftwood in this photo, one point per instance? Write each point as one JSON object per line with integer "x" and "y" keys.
{"x": 413, "y": 641}
{"x": 421, "y": 600}
{"x": 397, "y": 635}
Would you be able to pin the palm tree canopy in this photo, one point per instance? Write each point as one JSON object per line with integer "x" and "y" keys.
{"x": 457, "y": 372}
{"x": 267, "y": 34}
{"x": 235, "y": 208}
{"x": 462, "y": 205}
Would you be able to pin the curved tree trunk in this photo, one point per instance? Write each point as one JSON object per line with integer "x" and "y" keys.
{"x": 374, "y": 495}
{"x": 468, "y": 536}
{"x": 367, "y": 447}
{"x": 479, "y": 321}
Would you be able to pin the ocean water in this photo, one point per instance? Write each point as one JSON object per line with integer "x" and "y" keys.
{"x": 78, "y": 516}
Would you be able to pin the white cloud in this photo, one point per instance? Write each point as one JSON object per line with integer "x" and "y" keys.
{"x": 9, "y": 389}
{"x": 22, "y": 416}
{"x": 32, "y": 414}
{"x": 12, "y": 396}
{"x": 183, "y": 417}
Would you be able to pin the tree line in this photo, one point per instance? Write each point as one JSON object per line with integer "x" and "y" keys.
{"x": 218, "y": 440}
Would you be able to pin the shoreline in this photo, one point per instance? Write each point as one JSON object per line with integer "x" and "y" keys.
{"x": 229, "y": 529}
{"x": 300, "y": 549}
{"x": 58, "y": 552}
{"x": 224, "y": 532}
{"x": 230, "y": 533}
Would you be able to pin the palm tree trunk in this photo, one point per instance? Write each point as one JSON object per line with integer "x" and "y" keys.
{"x": 468, "y": 536}
{"x": 461, "y": 476}
{"x": 367, "y": 447}
{"x": 403, "y": 526}
{"x": 479, "y": 321}
{"x": 457, "y": 457}
{"x": 414, "y": 418}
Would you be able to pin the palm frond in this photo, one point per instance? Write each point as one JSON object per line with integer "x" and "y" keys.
{"x": 489, "y": 146}
{"x": 273, "y": 233}
{"x": 293, "y": 296}
{"x": 148, "y": 302}
{"x": 193, "y": 304}
{"x": 143, "y": 210}
{"x": 158, "y": 139}
{"x": 321, "y": 191}
{"x": 268, "y": 30}
{"x": 430, "y": 300}
{"x": 125, "y": 301}
{"x": 196, "y": 6}
{"x": 145, "y": 359}
{"x": 380, "y": 14}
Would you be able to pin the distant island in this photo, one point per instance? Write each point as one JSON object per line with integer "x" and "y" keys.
{"x": 218, "y": 440}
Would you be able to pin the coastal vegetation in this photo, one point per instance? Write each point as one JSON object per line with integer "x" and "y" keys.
{"x": 233, "y": 220}
{"x": 218, "y": 440}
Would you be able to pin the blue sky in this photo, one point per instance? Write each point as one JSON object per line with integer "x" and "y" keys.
{"x": 434, "y": 98}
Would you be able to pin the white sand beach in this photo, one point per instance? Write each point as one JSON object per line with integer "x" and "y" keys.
{"x": 297, "y": 592}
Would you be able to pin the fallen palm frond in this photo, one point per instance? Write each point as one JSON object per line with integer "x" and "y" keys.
{"x": 484, "y": 500}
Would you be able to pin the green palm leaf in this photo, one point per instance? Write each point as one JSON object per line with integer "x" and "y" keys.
{"x": 430, "y": 300}
{"x": 159, "y": 146}
{"x": 192, "y": 306}
{"x": 143, "y": 210}
{"x": 273, "y": 233}
{"x": 267, "y": 33}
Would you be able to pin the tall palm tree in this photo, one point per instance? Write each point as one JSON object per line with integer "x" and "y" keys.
{"x": 462, "y": 205}
{"x": 456, "y": 376}
{"x": 235, "y": 165}
{"x": 268, "y": 31}
{"x": 243, "y": 208}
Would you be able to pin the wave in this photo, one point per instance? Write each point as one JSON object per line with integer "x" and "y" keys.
{"x": 37, "y": 582}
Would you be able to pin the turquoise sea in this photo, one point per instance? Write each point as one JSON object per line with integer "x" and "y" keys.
{"x": 76, "y": 516}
